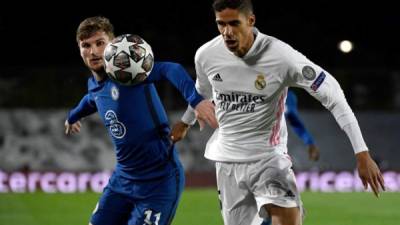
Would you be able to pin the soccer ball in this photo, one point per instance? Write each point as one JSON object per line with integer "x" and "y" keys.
{"x": 128, "y": 59}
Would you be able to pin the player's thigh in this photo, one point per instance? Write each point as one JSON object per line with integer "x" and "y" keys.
{"x": 238, "y": 206}
{"x": 159, "y": 206}
{"x": 112, "y": 208}
{"x": 275, "y": 183}
{"x": 283, "y": 216}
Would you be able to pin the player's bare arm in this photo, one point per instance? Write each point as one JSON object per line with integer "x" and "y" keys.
{"x": 369, "y": 173}
{"x": 72, "y": 128}
{"x": 179, "y": 131}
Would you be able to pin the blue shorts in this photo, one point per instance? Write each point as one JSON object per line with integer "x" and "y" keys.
{"x": 140, "y": 202}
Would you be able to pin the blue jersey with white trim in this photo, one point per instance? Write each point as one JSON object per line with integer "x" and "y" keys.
{"x": 136, "y": 119}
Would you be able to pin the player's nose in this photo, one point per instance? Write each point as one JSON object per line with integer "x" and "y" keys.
{"x": 227, "y": 31}
{"x": 94, "y": 51}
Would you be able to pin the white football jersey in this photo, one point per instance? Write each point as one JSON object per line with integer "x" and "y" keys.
{"x": 249, "y": 94}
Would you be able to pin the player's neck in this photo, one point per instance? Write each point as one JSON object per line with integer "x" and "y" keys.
{"x": 100, "y": 75}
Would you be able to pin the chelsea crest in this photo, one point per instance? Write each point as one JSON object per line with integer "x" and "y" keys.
{"x": 114, "y": 93}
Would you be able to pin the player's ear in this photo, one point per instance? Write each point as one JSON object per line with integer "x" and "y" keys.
{"x": 252, "y": 20}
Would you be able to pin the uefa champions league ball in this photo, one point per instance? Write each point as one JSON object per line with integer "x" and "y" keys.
{"x": 128, "y": 59}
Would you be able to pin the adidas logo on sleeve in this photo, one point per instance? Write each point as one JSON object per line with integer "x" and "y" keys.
{"x": 217, "y": 77}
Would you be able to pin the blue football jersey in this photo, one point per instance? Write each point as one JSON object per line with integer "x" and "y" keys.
{"x": 136, "y": 120}
{"x": 293, "y": 117}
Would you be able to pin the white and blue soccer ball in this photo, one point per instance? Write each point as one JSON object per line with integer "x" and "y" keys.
{"x": 128, "y": 59}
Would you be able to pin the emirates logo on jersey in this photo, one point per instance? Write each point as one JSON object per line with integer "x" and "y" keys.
{"x": 238, "y": 101}
{"x": 260, "y": 82}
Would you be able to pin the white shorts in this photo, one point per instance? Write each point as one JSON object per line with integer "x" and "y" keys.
{"x": 244, "y": 188}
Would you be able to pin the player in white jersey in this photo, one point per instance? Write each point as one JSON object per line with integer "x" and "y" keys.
{"x": 247, "y": 74}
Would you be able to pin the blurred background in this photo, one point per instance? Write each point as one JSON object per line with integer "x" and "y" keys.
{"x": 42, "y": 76}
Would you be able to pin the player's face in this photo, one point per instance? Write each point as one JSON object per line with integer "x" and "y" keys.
{"x": 237, "y": 30}
{"x": 92, "y": 50}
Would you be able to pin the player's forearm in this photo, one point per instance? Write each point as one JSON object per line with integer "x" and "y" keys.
{"x": 333, "y": 99}
{"x": 204, "y": 89}
{"x": 189, "y": 116}
{"x": 348, "y": 122}
{"x": 181, "y": 80}
{"x": 353, "y": 132}
{"x": 83, "y": 109}
{"x": 192, "y": 96}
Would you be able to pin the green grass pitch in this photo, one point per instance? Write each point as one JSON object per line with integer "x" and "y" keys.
{"x": 201, "y": 207}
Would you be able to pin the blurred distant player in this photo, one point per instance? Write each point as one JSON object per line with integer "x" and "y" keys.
{"x": 148, "y": 179}
{"x": 247, "y": 74}
{"x": 293, "y": 117}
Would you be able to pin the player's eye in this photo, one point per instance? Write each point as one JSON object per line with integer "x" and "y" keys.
{"x": 221, "y": 24}
{"x": 100, "y": 43}
{"x": 85, "y": 45}
{"x": 234, "y": 23}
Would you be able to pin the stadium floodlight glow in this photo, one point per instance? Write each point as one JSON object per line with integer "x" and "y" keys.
{"x": 345, "y": 46}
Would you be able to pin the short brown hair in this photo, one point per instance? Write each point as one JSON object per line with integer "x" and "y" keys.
{"x": 92, "y": 25}
{"x": 244, "y": 6}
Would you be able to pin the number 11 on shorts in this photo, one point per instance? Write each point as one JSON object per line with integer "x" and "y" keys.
{"x": 147, "y": 220}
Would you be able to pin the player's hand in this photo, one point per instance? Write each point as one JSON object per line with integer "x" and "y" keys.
{"x": 205, "y": 113}
{"x": 313, "y": 153}
{"x": 369, "y": 173}
{"x": 179, "y": 131}
{"x": 72, "y": 128}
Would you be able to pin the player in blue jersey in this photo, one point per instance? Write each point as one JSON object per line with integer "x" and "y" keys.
{"x": 148, "y": 179}
{"x": 293, "y": 117}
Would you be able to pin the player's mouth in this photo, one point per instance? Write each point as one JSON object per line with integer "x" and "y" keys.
{"x": 96, "y": 61}
{"x": 231, "y": 44}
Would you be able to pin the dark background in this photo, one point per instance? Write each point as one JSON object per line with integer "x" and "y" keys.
{"x": 42, "y": 68}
